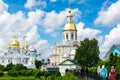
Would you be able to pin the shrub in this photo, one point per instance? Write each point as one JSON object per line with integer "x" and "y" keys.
{"x": 92, "y": 69}
{"x": 42, "y": 73}
{"x": 57, "y": 74}
{"x": 42, "y": 78}
{"x": 38, "y": 74}
{"x": 1, "y": 73}
{"x": 13, "y": 73}
{"x": 9, "y": 67}
{"x": 19, "y": 67}
{"x": 69, "y": 76}
{"x": 1, "y": 67}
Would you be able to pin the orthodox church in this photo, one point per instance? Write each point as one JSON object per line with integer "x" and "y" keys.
{"x": 20, "y": 54}
{"x": 66, "y": 49}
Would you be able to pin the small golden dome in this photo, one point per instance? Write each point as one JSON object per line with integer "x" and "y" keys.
{"x": 9, "y": 46}
{"x": 26, "y": 44}
{"x": 21, "y": 47}
{"x": 69, "y": 14}
{"x": 15, "y": 43}
{"x": 69, "y": 26}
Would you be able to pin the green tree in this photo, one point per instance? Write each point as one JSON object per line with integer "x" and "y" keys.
{"x": 87, "y": 54}
{"x": 112, "y": 60}
{"x": 38, "y": 64}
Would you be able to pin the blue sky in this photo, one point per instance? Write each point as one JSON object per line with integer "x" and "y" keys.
{"x": 41, "y": 22}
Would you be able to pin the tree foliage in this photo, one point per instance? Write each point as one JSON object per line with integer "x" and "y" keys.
{"x": 114, "y": 60}
{"x": 19, "y": 67}
{"x": 9, "y": 67}
{"x": 87, "y": 54}
{"x": 38, "y": 64}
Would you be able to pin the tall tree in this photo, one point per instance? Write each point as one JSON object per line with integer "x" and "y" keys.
{"x": 38, "y": 64}
{"x": 87, "y": 54}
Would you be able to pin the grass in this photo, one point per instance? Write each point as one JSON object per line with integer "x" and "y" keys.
{"x": 6, "y": 77}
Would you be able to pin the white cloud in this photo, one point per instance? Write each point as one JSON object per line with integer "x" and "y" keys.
{"x": 109, "y": 16}
{"x": 3, "y": 6}
{"x": 112, "y": 38}
{"x": 75, "y": 1}
{"x": 34, "y": 39}
{"x": 35, "y": 17}
{"x": 87, "y": 32}
{"x": 54, "y": 20}
{"x": 33, "y": 3}
{"x": 18, "y": 25}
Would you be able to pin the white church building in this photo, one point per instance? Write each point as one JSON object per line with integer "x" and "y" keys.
{"x": 66, "y": 49}
{"x": 19, "y": 54}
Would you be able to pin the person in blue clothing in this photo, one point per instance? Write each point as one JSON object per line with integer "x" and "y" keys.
{"x": 103, "y": 73}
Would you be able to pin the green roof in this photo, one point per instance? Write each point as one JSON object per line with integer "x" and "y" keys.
{"x": 72, "y": 61}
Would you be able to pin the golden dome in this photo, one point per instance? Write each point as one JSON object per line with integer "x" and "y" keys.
{"x": 69, "y": 26}
{"x": 21, "y": 47}
{"x": 26, "y": 44}
{"x": 15, "y": 43}
{"x": 9, "y": 46}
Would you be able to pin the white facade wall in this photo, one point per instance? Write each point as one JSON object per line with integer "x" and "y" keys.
{"x": 63, "y": 68}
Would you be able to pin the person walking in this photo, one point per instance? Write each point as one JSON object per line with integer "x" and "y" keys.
{"x": 103, "y": 73}
{"x": 98, "y": 72}
{"x": 112, "y": 73}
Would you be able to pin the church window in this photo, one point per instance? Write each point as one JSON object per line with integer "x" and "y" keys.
{"x": 72, "y": 36}
{"x": 75, "y": 36}
{"x": 67, "y": 36}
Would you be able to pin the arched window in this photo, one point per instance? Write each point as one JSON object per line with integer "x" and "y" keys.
{"x": 75, "y": 36}
{"x": 67, "y": 36}
{"x": 72, "y": 36}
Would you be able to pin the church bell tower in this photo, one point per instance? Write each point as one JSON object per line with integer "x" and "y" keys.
{"x": 69, "y": 30}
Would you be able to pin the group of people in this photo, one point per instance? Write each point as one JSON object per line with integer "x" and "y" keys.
{"x": 104, "y": 74}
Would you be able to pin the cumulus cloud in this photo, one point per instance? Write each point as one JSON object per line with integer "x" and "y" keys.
{"x": 86, "y": 32}
{"x": 112, "y": 38}
{"x": 54, "y": 20}
{"x": 34, "y": 3}
{"x": 20, "y": 26}
{"x": 3, "y": 6}
{"x": 42, "y": 46}
{"x": 109, "y": 16}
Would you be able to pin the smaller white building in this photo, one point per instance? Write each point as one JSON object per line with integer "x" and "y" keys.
{"x": 68, "y": 64}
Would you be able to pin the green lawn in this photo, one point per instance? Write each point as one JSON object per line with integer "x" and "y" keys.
{"x": 6, "y": 77}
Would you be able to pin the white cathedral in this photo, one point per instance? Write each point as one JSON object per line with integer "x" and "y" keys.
{"x": 20, "y": 54}
{"x": 66, "y": 49}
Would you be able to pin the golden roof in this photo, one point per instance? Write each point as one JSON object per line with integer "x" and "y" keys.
{"x": 9, "y": 46}
{"x": 21, "y": 47}
{"x": 69, "y": 26}
{"x": 15, "y": 43}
